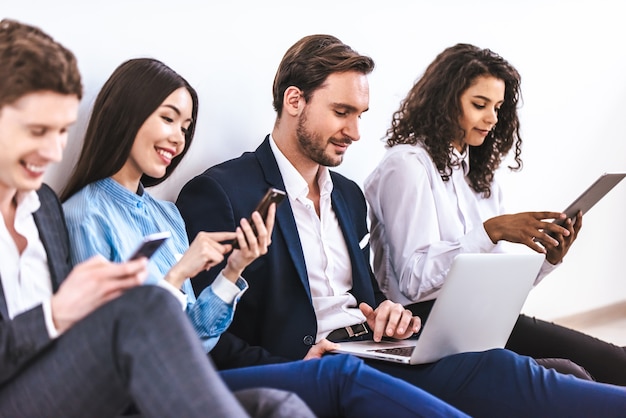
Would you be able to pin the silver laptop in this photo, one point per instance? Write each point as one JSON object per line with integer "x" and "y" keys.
{"x": 476, "y": 310}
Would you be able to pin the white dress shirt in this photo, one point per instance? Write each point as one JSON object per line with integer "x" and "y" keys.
{"x": 25, "y": 277}
{"x": 419, "y": 223}
{"x": 325, "y": 252}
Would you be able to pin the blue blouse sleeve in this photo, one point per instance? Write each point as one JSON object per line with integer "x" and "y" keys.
{"x": 211, "y": 316}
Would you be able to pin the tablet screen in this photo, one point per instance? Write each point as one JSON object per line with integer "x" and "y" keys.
{"x": 592, "y": 195}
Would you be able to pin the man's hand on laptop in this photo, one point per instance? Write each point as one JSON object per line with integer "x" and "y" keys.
{"x": 391, "y": 320}
{"x": 318, "y": 350}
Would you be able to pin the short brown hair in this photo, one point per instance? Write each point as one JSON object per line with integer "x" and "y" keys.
{"x": 310, "y": 61}
{"x": 30, "y": 61}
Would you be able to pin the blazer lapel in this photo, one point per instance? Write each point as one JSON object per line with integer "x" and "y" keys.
{"x": 51, "y": 227}
{"x": 53, "y": 234}
{"x": 47, "y": 244}
{"x": 361, "y": 288}
{"x": 285, "y": 219}
{"x": 4, "y": 311}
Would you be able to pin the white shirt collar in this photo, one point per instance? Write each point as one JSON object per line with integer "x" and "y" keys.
{"x": 27, "y": 203}
{"x": 462, "y": 158}
{"x": 295, "y": 185}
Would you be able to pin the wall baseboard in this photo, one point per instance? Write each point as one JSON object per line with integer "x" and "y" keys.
{"x": 595, "y": 317}
{"x": 607, "y": 323}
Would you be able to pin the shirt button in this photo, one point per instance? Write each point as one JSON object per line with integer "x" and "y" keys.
{"x": 308, "y": 340}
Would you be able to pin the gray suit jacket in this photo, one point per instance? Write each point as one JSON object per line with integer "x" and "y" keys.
{"x": 26, "y": 335}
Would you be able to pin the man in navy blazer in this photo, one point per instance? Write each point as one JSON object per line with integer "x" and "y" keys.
{"x": 88, "y": 341}
{"x": 315, "y": 283}
{"x": 276, "y": 312}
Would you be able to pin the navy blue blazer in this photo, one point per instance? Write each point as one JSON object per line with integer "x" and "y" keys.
{"x": 276, "y": 312}
{"x": 26, "y": 335}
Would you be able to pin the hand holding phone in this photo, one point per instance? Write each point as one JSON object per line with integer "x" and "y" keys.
{"x": 149, "y": 245}
{"x": 271, "y": 196}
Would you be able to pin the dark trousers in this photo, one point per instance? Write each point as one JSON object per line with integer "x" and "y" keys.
{"x": 137, "y": 348}
{"x": 540, "y": 339}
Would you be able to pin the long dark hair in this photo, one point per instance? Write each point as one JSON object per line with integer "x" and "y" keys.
{"x": 132, "y": 93}
{"x": 431, "y": 111}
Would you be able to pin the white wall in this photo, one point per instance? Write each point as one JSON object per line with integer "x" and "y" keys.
{"x": 570, "y": 54}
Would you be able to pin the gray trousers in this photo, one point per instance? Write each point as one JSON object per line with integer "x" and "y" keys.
{"x": 137, "y": 349}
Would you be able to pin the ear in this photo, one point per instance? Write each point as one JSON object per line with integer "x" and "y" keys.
{"x": 293, "y": 101}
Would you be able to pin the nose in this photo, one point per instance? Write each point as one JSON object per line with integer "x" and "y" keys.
{"x": 177, "y": 137}
{"x": 53, "y": 146}
{"x": 351, "y": 130}
{"x": 492, "y": 116}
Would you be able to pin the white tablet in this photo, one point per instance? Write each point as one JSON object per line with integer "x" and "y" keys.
{"x": 592, "y": 195}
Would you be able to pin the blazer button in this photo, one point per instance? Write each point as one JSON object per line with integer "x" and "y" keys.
{"x": 308, "y": 340}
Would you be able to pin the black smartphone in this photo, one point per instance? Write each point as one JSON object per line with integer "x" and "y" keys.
{"x": 149, "y": 245}
{"x": 271, "y": 196}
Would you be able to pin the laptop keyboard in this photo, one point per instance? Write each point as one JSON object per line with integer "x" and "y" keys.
{"x": 396, "y": 351}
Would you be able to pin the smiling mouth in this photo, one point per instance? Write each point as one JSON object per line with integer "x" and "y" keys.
{"x": 35, "y": 169}
{"x": 343, "y": 144}
{"x": 165, "y": 154}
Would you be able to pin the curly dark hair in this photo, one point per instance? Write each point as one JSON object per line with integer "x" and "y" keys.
{"x": 431, "y": 111}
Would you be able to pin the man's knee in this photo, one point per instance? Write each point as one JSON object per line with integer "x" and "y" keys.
{"x": 147, "y": 299}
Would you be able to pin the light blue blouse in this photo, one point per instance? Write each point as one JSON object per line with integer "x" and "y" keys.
{"x": 106, "y": 218}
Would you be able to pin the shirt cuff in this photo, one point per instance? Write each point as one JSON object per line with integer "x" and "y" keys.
{"x": 182, "y": 298}
{"x": 477, "y": 241}
{"x": 227, "y": 290}
{"x": 546, "y": 268}
{"x": 47, "y": 316}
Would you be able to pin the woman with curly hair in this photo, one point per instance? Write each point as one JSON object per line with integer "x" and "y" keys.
{"x": 436, "y": 181}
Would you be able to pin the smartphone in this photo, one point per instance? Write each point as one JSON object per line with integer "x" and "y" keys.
{"x": 271, "y": 196}
{"x": 149, "y": 245}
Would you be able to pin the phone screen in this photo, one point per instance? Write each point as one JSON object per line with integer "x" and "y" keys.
{"x": 150, "y": 244}
{"x": 271, "y": 196}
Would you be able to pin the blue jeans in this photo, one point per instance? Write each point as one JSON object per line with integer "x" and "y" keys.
{"x": 342, "y": 385}
{"x": 494, "y": 383}
{"x": 500, "y": 383}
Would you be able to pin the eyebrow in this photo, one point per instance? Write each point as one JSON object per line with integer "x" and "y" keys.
{"x": 175, "y": 109}
{"x": 349, "y": 107}
{"x": 38, "y": 125}
{"x": 478, "y": 96}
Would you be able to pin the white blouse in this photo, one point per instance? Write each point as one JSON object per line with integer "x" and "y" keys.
{"x": 419, "y": 223}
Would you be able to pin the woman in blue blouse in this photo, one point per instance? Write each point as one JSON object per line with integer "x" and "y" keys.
{"x": 142, "y": 124}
